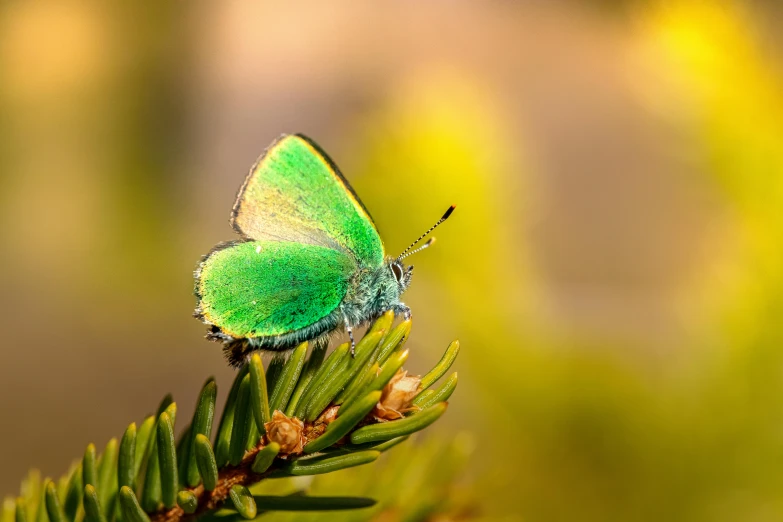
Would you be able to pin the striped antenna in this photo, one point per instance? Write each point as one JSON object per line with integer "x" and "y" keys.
{"x": 422, "y": 247}
{"x": 405, "y": 253}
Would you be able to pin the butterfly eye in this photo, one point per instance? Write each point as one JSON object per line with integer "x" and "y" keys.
{"x": 397, "y": 271}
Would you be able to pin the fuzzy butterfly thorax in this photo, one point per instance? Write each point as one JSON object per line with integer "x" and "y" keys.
{"x": 375, "y": 291}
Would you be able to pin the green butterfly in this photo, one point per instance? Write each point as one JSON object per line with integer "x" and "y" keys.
{"x": 309, "y": 260}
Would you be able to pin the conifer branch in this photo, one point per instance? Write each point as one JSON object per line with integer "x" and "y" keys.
{"x": 304, "y": 415}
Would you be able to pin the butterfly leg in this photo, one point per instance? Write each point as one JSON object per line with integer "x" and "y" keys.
{"x": 349, "y": 329}
{"x": 402, "y": 308}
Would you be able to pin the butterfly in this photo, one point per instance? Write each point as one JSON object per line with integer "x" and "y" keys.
{"x": 309, "y": 259}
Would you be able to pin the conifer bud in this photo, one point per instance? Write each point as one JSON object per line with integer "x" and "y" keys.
{"x": 287, "y": 432}
{"x": 397, "y": 396}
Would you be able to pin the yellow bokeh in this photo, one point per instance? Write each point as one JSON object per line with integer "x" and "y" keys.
{"x": 613, "y": 270}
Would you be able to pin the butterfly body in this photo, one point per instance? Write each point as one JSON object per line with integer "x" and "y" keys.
{"x": 309, "y": 260}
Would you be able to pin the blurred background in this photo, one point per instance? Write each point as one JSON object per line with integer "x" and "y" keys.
{"x": 614, "y": 270}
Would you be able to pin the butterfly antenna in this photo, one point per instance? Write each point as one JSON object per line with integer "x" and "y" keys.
{"x": 422, "y": 247}
{"x": 407, "y": 252}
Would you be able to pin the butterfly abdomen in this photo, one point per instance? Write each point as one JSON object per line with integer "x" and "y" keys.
{"x": 237, "y": 350}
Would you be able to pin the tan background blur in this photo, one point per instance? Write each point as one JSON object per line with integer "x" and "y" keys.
{"x": 614, "y": 269}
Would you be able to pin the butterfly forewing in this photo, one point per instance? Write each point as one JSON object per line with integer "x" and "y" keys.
{"x": 295, "y": 193}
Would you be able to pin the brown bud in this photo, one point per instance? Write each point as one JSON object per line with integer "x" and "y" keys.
{"x": 285, "y": 431}
{"x": 316, "y": 429}
{"x": 397, "y": 395}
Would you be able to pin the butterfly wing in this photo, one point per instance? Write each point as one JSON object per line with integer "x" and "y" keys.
{"x": 295, "y": 193}
{"x": 266, "y": 288}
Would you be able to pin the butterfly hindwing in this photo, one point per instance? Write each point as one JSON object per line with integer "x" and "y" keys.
{"x": 295, "y": 193}
{"x": 267, "y": 288}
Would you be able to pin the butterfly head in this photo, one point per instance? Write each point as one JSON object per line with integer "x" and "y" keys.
{"x": 402, "y": 273}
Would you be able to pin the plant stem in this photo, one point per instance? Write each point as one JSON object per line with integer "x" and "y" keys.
{"x": 242, "y": 474}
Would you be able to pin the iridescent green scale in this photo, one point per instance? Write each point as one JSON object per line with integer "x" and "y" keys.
{"x": 262, "y": 288}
